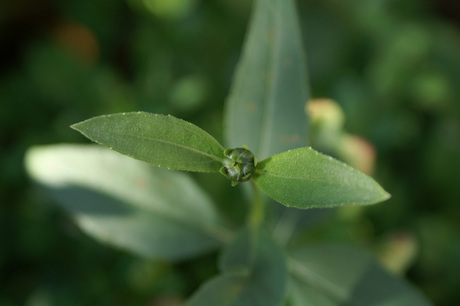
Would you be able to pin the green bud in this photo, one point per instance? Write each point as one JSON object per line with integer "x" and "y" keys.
{"x": 238, "y": 165}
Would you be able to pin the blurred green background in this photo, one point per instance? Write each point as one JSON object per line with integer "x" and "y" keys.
{"x": 392, "y": 65}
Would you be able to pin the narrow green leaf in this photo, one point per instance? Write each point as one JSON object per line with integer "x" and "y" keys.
{"x": 161, "y": 140}
{"x": 265, "y": 110}
{"x": 253, "y": 279}
{"x": 147, "y": 210}
{"x": 304, "y": 178}
{"x": 337, "y": 276}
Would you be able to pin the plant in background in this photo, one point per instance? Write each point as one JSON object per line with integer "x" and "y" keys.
{"x": 159, "y": 213}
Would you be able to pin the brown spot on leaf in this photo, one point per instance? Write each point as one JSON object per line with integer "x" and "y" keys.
{"x": 251, "y": 107}
{"x": 140, "y": 182}
{"x": 271, "y": 34}
{"x": 293, "y": 138}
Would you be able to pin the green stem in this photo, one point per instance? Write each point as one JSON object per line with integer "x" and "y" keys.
{"x": 257, "y": 213}
{"x": 255, "y": 220}
{"x": 286, "y": 226}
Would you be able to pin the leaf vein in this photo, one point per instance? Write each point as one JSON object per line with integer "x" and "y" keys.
{"x": 174, "y": 144}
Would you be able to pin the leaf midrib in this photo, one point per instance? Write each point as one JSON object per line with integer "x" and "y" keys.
{"x": 174, "y": 144}
{"x": 268, "y": 101}
{"x": 310, "y": 179}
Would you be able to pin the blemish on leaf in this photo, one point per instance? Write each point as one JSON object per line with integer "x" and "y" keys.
{"x": 141, "y": 182}
{"x": 272, "y": 34}
{"x": 251, "y": 107}
{"x": 288, "y": 62}
{"x": 288, "y": 139}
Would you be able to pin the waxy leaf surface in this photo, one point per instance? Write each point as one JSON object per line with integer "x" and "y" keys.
{"x": 338, "y": 276}
{"x": 161, "y": 140}
{"x": 265, "y": 110}
{"x": 254, "y": 273}
{"x": 304, "y": 178}
{"x": 126, "y": 203}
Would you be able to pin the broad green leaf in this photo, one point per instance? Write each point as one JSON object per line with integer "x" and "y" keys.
{"x": 161, "y": 140}
{"x": 304, "y": 178}
{"x": 265, "y": 109}
{"x": 150, "y": 211}
{"x": 339, "y": 276}
{"x": 253, "y": 275}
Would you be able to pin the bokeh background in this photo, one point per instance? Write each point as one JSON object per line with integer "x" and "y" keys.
{"x": 393, "y": 66}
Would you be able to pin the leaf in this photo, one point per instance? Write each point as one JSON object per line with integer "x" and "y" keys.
{"x": 150, "y": 211}
{"x": 304, "y": 178}
{"x": 253, "y": 275}
{"x": 340, "y": 276}
{"x": 265, "y": 110}
{"x": 164, "y": 141}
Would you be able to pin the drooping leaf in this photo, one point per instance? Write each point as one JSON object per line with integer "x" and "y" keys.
{"x": 265, "y": 110}
{"x": 304, "y": 178}
{"x": 161, "y": 140}
{"x": 253, "y": 275}
{"x": 147, "y": 210}
{"x": 340, "y": 276}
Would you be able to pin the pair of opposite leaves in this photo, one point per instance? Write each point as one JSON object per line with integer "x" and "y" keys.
{"x": 301, "y": 178}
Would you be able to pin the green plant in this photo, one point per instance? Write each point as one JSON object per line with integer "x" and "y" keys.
{"x": 163, "y": 214}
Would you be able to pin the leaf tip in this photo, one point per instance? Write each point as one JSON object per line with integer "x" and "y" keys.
{"x": 76, "y": 127}
{"x": 385, "y": 195}
{"x": 79, "y": 127}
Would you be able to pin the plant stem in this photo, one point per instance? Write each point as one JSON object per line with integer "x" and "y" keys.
{"x": 286, "y": 226}
{"x": 257, "y": 213}
{"x": 255, "y": 220}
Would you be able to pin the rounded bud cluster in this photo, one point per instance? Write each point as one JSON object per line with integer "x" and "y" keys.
{"x": 239, "y": 165}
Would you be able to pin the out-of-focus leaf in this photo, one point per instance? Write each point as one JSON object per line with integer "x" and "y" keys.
{"x": 126, "y": 203}
{"x": 254, "y": 274}
{"x": 304, "y": 178}
{"x": 164, "y": 141}
{"x": 265, "y": 110}
{"x": 339, "y": 276}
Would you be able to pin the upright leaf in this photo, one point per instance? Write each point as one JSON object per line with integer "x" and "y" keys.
{"x": 338, "y": 276}
{"x": 304, "y": 178}
{"x": 126, "y": 203}
{"x": 164, "y": 141}
{"x": 265, "y": 110}
{"x": 256, "y": 279}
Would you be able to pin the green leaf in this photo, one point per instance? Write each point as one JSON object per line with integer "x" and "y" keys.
{"x": 161, "y": 140}
{"x": 150, "y": 211}
{"x": 304, "y": 178}
{"x": 338, "y": 276}
{"x": 265, "y": 110}
{"x": 254, "y": 274}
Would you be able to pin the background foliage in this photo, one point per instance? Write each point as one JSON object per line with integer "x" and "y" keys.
{"x": 393, "y": 66}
